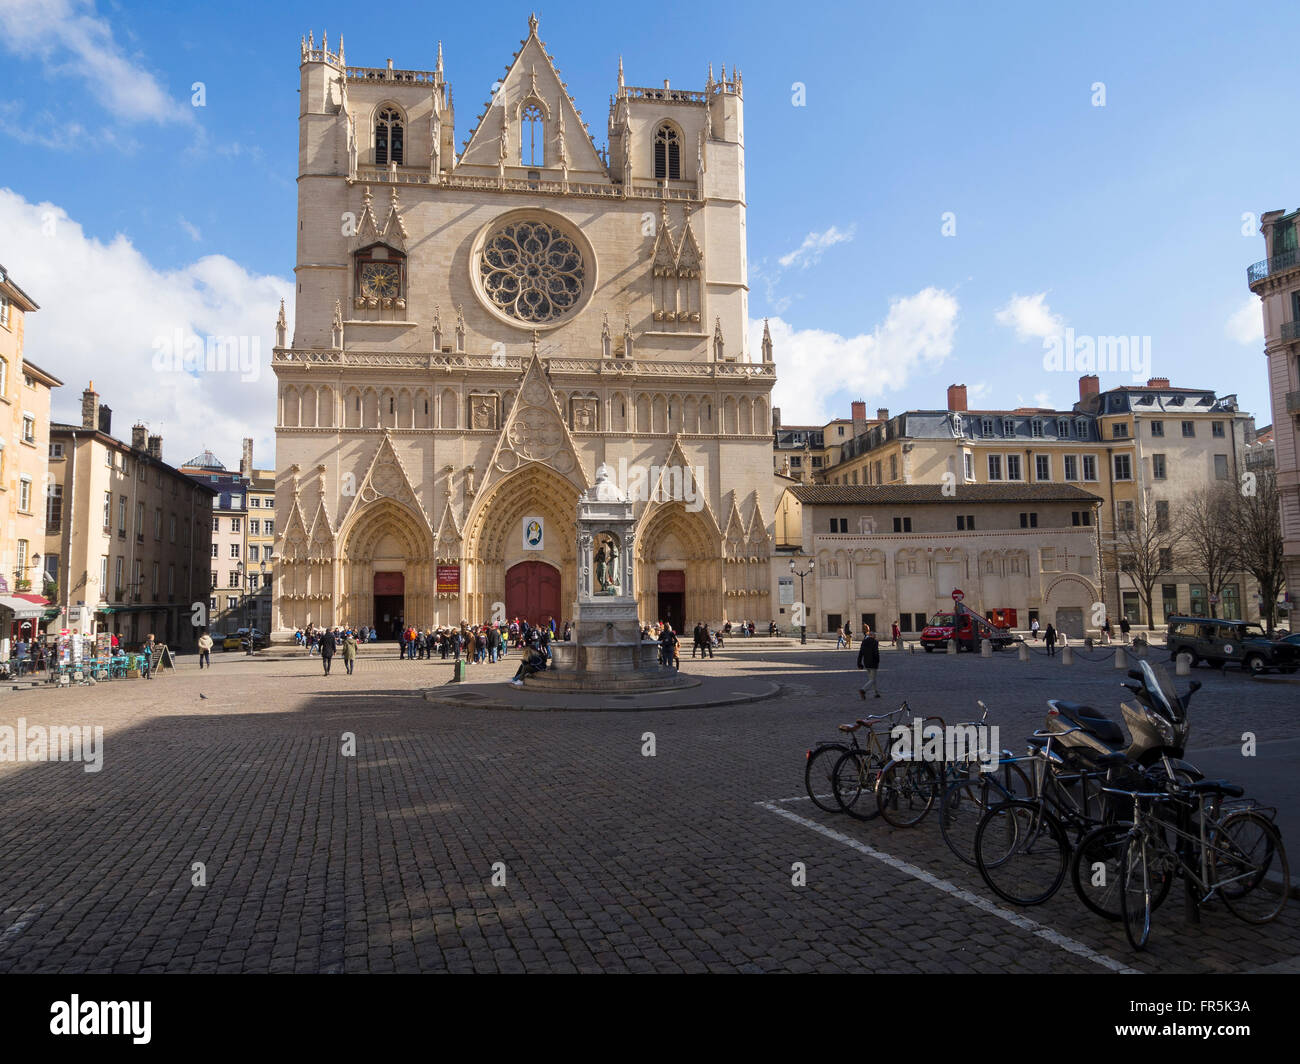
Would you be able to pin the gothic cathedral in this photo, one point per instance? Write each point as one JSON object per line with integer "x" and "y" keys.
{"x": 477, "y": 332}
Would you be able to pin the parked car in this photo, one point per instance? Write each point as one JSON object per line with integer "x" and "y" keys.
{"x": 1219, "y": 643}
{"x": 233, "y": 641}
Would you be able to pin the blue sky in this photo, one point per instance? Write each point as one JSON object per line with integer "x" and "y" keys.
{"x": 128, "y": 213}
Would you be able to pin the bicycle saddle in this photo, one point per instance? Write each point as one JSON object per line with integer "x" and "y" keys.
{"x": 1228, "y": 790}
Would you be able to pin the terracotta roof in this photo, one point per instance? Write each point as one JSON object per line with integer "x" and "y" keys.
{"x": 887, "y": 494}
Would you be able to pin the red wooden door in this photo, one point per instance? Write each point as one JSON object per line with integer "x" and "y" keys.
{"x": 533, "y": 592}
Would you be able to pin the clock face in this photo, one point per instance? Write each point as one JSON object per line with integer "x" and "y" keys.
{"x": 380, "y": 279}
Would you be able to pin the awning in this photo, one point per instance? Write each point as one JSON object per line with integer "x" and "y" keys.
{"x": 24, "y": 607}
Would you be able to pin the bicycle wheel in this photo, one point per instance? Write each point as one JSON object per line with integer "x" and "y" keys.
{"x": 1135, "y": 890}
{"x": 961, "y": 809}
{"x": 1245, "y": 848}
{"x": 818, "y": 769}
{"x": 853, "y": 782}
{"x": 905, "y": 791}
{"x": 1095, "y": 872}
{"x": 1021, "y": 852}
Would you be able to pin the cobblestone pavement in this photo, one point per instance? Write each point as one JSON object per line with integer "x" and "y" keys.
{"x": 612, "y": 861}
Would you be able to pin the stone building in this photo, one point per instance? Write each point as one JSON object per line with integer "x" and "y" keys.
{"x": 897, "y": 552}
{"x": 477, "y": 330}
{"x": 1276, "y": 280}
{"x": 133, "y": 533}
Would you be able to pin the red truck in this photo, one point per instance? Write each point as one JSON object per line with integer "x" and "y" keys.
{"x": 965, "y": 626}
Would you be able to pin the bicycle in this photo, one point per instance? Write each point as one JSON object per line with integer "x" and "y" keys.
{"x": 1022, "y": 848}
{"x": 1228, "y": 856}
{"x": 907, "y": 788}
{"x": 966, "y": 801}
{"x": 854, "y": 771}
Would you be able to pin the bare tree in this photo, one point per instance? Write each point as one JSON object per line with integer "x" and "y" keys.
{"x": 1142, "y": 547}
{"x": 1208, "y": 536}
{"x": 1257, "y": 521}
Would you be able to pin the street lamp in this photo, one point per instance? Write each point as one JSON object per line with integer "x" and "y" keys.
{"x": 243, "y": 586}
{"x": 803, "y": 603}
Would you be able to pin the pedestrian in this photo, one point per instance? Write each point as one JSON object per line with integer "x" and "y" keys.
{"x": 848, "y": 634}
{"x": 1033, "y": 628}
{"x": 349, "y": 652}
{"x": 1050, "y": 640}
{"x": 1105, "y": 631}
{"x": 146, "y": 658}
{"x": 896, "y": 635}
{"x": 205, "y": 649}
{"x": 328, "y": 645}
{"x": 869, "y": 659}
{"x": 839, "y": 637}
{"x": 534, "y": 661}
{"x": 1124, "y": 627}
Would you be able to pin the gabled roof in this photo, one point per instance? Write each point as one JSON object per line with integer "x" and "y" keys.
{"x": 531, "y": 74}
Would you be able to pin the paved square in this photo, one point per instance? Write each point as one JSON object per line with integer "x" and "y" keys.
{"x": 611, "y": 860}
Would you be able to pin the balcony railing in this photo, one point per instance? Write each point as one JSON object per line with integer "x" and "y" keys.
{"x": 1288, "y": 260}
{"x": 1291, "y": 330}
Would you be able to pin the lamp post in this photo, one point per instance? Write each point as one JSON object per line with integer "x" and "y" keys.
{"x": 803, "y": 604}
{"x": 243, "y": 612}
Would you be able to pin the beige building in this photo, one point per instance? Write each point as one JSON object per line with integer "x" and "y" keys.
{"x": 1276, "y": 280}
{"x": 897, "y": 552}
{"x": 25, "y": 392}
{"x": 477, "y": 331}
{"x": 259, "y": 553}
{"x": 131, "y": 535}
{"x": 1124, "y": 445}
{"x": 229, "y": 576}
{"x": 806, "y": 452}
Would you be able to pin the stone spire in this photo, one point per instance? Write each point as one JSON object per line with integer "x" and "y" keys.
{"x": 767, "y": 342}
{"x": 281, "y": 327}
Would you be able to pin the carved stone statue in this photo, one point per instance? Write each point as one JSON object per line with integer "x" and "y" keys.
{"x": 607, "y": 582}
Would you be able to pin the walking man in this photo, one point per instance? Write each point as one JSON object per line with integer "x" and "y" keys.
{"x": 1124, "y": 627}
{"x": 1050, "y": 640}
{"x": 349, "y": 651}
{"x": 205, "y": 649}
{"x": 328, "y": 645}
{"x": 1033, "y": 628}
{"x": 869, "y": 659}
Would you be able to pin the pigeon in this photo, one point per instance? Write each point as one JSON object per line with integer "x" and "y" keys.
{"x": 203, "y": 696}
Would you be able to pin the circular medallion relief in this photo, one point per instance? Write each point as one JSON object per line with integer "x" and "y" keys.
{"x": 533, "y": 269}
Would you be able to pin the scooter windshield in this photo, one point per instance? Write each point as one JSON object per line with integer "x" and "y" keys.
{"x": 1160, "y": 687}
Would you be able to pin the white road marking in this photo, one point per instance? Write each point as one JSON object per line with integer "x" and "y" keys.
{"x": 960, "y": 893}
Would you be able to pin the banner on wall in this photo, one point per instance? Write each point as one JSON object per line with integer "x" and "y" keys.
{"x": 449, "y": 580}
{"x": 534, "y": 534}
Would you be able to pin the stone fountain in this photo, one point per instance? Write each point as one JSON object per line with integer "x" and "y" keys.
{"x": 606, "y": 650}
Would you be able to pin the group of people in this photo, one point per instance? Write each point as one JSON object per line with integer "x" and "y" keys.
{"x": 844, "y": 635}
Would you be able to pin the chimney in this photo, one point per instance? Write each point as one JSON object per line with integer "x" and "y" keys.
{"x": 90, "y": 407}
{"x": 246, "y": 459}
{"x": 1089, "y": 385}
{"x": 139, "y": 437}
{"x": 776, "y": 418}
{"x": 155, "y": 447}
{"x": 1158, "y": 382}
{"x": 106, "y": 420}
{"x": 957, "y": 397}
{"x": 882, "y": 413}
{"x": 859, "y": 408}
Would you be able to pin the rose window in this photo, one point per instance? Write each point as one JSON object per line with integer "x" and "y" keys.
{"x": 532, "y": 271}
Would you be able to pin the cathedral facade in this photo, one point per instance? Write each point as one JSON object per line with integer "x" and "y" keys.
{"x": 478, "y": 330}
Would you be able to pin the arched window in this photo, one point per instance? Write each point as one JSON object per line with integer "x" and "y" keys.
{"x": 388, "y": 138}
{"x": 532, "y": 137}
{"x": 668, "y": 153}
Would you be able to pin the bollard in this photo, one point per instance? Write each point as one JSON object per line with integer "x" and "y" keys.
{"x": 1024, "y": 651}
{"x": 1183, "y": 667}
{"x": 986, "y": 648}
{"x": 1121, "y": 659}
{"x": 952, "y": 646}
{"x": 1067, "y": 656}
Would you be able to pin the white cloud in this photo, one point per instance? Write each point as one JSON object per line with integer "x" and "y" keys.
{"x": 191, "y": 229}
{"x": 1246, "y": 324}
{"x": 70, "y": 37}
{"x": 1031, "y": 317}
{"x": 813, "y": 365}
{"x": 104, "y": 307}
{"x": 814, "y": 246}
